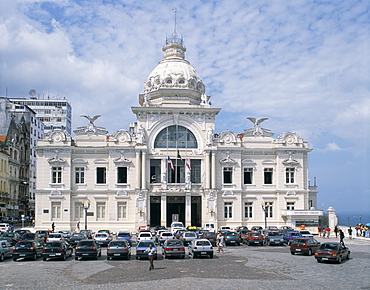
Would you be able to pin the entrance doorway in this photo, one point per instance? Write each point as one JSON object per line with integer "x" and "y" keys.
{"x": 196, "y": 210}
{"x": 155, "y": 211}
{"x": 175, "y": 205}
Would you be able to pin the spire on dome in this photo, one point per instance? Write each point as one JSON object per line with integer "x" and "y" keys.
{"x": 174, "y": 47}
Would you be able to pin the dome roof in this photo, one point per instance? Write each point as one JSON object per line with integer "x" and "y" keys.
{"x": 174, "y": 75}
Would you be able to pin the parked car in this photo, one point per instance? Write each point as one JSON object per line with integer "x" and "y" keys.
{"x": 54, "y": 237}
{"x": 157, "y": 234}
{"x": 200, "y": 247}
{"x": 144, "y": 236}
{"x": 256, "y": 228}
{"x": 105, "y": 232}
{"x": 102, "y": 239}
{"x": 87, "y": 249}
{"x": 273, "y": 229}
{"x": 177, "y": 226}
{"x": 306, "y": 246}
{"x": 57, "y": 250}
{"x": 66, "y": 233}
{"x": 124, "y": 235}
{"x": 232, "y": 238}
{"x": 118, "y": 249}
{"x": 4, "y": 227}
{"x": 88, "y": 233}
{"x": 188, "y": 237}
{"x": 210, "y": 236}
{"x": 332, "y": 252}
{"x": 21, "y": 232}
{"x": 273, "y": 238}
{"x": 43, "y": 233}
{"x": 11, "y": 238}
{"x": 241, "y": 228}
{"x": 141, "y": 249}
{"x": 173, "y": 248}
{"x": 179, "y": 233}
{"x": 32, "y": 237}
{"x": 27, "y": 249}
{"x": 306, "y": 234}
{"x": 5, "y": 250}
{"x": 253, "y": 238}
{"x": 290, "y": 236}
{"x": 164, "y": 236}
{"x": 76, "y": 237}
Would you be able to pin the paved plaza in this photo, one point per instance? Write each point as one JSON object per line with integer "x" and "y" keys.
{"x": 239, "y": 268}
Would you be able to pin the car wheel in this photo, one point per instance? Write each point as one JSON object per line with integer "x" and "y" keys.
{"x": 100, "y": 254}
{"x": 339, "y": 259}
{"x": 348, "y": 256}
{"x": 34, "y": 258}
{"x": 70, "y": 254}
{"x": 137, "y": 258}
{"x": 14, "y": 259}
{"x": 293, "y": 253}
{"x": 76, "y": 258}
{"x": 109, "y": 258}
{"x": 211, "y": 255}
{"x": 44, "y": 258}
{"x": 318, "y": 260}
{"x": 64, "y": 257}
{"x": 183, "y": 257}
{"x": 309, "y": 252}
{"x": 1, "y": 257}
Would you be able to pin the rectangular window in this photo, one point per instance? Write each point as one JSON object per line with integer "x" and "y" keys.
{"x": 80, "y": 175}
{"x": 290, "y": 205}
{"x": 79, "y": 210}
{"x": 55, "y": 210}
{"x": 228, "y": 210}
{"x": 155, "y": 171}
{"x": 248, "y": 174}
{"x": 248, "y": 210}
{"x": 56, "y": 175}
{"x": 268, "y": 175}
{"x": 269, "y": 209}
{"x": 178, "y": 174}
{"x": 289, "y": 175}
{"x": 101, "y": 175}
{"x": 122, "y": 210}
{"x": 196, "y": 173}
{"x": 228, "y": 174}
{"x": 121, "y": 174}
{"x": 100, "y": 210}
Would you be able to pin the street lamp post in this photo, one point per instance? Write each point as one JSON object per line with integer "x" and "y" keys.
{"x": 348, "y": 219}
{"x": 360, "y": 219}
{"x": 86, "y": 207}
{"x": 265, "y": 208}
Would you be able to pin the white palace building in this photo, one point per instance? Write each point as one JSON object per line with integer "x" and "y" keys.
{"x": 171, "y": 164}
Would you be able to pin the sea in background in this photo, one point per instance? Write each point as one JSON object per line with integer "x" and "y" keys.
{"x": 353, "y": 217}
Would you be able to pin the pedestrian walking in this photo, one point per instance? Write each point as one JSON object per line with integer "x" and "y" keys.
{"x": 350, "y": 233}
{"x": 336, "y": 231}
{"x": 220, "y": 243}
{"x": 341, "y": 238}
{"x": 78, "y": 226}
{"x": 151, "y": 253}
{"x": 53, "y": 227}
{"x": 327, "y": 230}
{"x": 319, "y": 229}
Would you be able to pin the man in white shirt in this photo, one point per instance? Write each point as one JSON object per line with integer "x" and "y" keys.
{"x": 151, "y": 252}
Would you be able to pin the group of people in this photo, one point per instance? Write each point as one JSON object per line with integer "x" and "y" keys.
{"x": 361, "y": 230}
{"x": 325, "y": 233}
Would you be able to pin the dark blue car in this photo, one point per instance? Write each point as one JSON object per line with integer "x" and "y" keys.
{"x": 124, "y": 235}
{"x": 291, "y": 236}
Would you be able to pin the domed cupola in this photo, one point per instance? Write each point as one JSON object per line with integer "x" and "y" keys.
{"x": 174, "y": 82}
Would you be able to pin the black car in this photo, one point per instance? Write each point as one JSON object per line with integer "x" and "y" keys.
{"x": 33, "y": 237}
{"x": 87, "y": 249}
{"x": 27, "y": 250}
{"x": 87, "y": 233}
{"x": 76, "y": 237}
{"x": 11, "y": 238}
{"x": 21, "y": 232}
{"x": 57, "y": 250}
{"x": 43, "y": 233}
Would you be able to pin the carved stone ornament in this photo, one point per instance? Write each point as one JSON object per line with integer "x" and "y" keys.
{"x": 56, "y": 160}
{"x": 228, "y": 160}
{"x": 199, "y": 119}
{"x": 57, "y": 136}
{"x": 121, "y": 193}
{"x": 257, "y": 130}
{"x": 122, "y": 136}
{"x": 121, "y": 160}
{"x": 290, "y": 161}
{"x": 227, "y": 137}
{"x": 152, "y": 119}
{"x": 90, "y": 129}
{"x": 56, "y": 193}
{"x": 228, "y": 193}
{"x": 140, "y": 135}
{"x": 289, "y": 138}
{"x": 291, "y": 193}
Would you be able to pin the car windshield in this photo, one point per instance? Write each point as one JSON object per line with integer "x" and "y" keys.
{"x": 145, "y": 235}
{"x": 203, "y": 243}
{"x": 255, "y": 235}
{"x": 177, "y": 225}
{"x": 231, "y": 234}
{"x": 305, "y": 232}
{"x": 210, "y": 234}
{"x": 301, "y": 241}
{"x": 274, "y": 234}
{"x": 24, "y": 244}
{"x": 101, "y": 235}
{"x": 54, "y": 244}
{"x": 55, "y": 236}
{"x": 118, "y": 244}
{"x": 174, "y": 243}
{"x": 332, "y": 247}
{"x": 145, "y": 244}
{"x": 166, "y": 234}
{"x": 78, "y": 235}
{"x": 86, "y": 243}
{"x": 7, "y": 235}
{"x": 295, "y": 234}
{"x": 189, "y": 234}
{"x": 123, "y": 235}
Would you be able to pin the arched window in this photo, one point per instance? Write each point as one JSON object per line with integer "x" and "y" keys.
{"x": 175, "y": 137}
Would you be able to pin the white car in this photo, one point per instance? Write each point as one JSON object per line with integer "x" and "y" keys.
{"x": 55, "y": 237}
{"x": 177, "y": 226}
{"x": 145, "y": 236}
{"x": 188, "y": 237}
{"x": 163, "y": 236}
{"x": 102, "y": 239}
{"x": 200, "y": 247}
{"x": 306, "y": 234}
{"x": 4, "y": 228}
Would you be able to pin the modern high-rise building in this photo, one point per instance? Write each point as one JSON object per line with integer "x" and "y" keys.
{"x": 55, "y": 113}
{"x": 170, "y": 165}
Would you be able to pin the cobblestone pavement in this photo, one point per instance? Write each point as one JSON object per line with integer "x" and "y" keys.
{"x": 239, "y": 268}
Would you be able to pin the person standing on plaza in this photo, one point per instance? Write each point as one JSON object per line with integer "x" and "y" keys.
{"x": 350, "y": 233}
{"x": 53, "y": 227}
{"x": 341, "y": 237}
{"x": 151, "y": 252}
{"x": 327, "y": 230}
{"x": 336, "y": 231}
{"x": 319, "y": 229}
{"x": 220, "y": 243}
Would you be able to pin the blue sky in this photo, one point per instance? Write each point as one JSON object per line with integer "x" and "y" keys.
{"x": 303, "y": 64}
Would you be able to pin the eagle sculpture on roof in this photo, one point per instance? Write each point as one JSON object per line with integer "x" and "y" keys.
{"x": 257, "y": 130}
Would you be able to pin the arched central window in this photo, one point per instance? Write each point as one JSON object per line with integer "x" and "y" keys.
{"x": 175, "y": 136}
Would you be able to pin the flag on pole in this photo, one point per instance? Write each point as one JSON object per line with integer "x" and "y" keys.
{"x": 178, "y": 155}
{"x": 187, "y": 164}
{"x": 169, "y": 162}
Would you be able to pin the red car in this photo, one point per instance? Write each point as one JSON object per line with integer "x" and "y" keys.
{"x": 332, "y": 252}
{"x": 253, "y": 238}
{"x": 306, "y": 246}
{"x": 210, "y": 236}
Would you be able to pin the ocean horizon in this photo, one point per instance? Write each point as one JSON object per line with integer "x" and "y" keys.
{"x": 354, "y": 218}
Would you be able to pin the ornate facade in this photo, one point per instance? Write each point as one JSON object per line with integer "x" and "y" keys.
{"x": 171, "y": 164}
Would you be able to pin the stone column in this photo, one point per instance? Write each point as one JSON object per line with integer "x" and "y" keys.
{"x": 188, "y": 209}
{"x": 164, "y": 209}
{"x": 138, "y": 169}
{"x": 207, "y": 171}
{"x": 213, "y": 170}
{"x": 143, "y": 170}
{"x": 332, "y": 218}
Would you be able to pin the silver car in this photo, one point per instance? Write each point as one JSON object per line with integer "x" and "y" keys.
{"x": 118, "y": 249}
{"x": 102, "y": 239}
{"x": 5, "y": 250}
{"x": 200, "y": 247}
{"x": 188, "y": 237}
{"x": 273, "y": 238}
